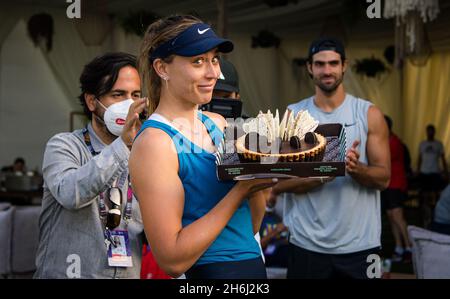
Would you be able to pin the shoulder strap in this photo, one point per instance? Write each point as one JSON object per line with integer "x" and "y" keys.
{"x": 214, "y": 132}
{"x": 181, "y": 143}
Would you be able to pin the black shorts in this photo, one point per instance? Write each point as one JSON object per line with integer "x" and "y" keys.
{"x": 246, "y": 269}
{"x": 392, "y": 199}
{"x": 431, "y": 182}
{"x": 305, "y": 264}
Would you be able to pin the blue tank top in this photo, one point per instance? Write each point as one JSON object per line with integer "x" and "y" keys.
{"x": 202, "y": 191}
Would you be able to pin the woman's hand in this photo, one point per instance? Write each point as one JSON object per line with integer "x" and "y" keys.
{"x": 251, "y": 186}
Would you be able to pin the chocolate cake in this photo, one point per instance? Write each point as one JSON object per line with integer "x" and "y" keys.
{"x": 292, "y": 139}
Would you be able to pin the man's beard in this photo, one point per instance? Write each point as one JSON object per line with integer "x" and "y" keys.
{"x": 99, "y": 115}
{"x": 328, "y": 88}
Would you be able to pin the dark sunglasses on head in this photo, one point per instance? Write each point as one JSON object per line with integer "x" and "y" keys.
{"x": 114, "y": 195}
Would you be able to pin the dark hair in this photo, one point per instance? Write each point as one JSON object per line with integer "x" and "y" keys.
{"x": 389, "y": 122}
{"x": 19, "y": 160}
{"x": 431, "y": 127}
{"x": 100, "y": 75}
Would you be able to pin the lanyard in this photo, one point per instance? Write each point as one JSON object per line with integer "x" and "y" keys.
{"x": 87, "y": 140}
{"x": 101, "y": 204}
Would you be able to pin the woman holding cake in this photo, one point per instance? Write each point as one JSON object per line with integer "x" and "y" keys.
{"x": 195, "y": 224}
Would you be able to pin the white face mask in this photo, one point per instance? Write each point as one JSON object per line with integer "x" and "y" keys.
{"x": 115, "y": 116}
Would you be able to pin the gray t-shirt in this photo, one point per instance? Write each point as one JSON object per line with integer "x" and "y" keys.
{"x": 341, "y": 216}
{"x": 442, "y": 210}
{"x": 431, "y": 152}
{"x": 70, "y": 224}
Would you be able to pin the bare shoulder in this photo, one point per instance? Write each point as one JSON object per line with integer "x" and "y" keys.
{"x": 152, "y": 138}
{"x": 217, "y": 118}
{"x": 154, "y": 145}
{"x": 376, "y": 120}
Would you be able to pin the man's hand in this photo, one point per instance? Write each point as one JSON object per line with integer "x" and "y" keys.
{"x": 132, "y": 123}
{"x": 376, "y": 172}
{"x": 280, "y": 228}
{"x": 296, "y": 185}
{"x": 352, "y": 164}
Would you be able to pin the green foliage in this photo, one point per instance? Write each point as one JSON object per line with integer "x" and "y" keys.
{"x": 370, "y": 67}
{"x": 137, "y": 22}
{"x": 40, "y": 27}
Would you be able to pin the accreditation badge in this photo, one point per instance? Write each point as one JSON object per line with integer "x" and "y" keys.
{"x": 119, "y": 251}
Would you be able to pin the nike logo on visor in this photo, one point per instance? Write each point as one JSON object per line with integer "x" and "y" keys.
{"x": 202, "y": 31}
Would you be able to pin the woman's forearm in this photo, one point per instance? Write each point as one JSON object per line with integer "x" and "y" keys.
{"x": 257, "y": 204}
{"x": 193, "y": 240}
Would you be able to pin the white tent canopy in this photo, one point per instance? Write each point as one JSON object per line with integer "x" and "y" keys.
{"x": 38, "y": 89}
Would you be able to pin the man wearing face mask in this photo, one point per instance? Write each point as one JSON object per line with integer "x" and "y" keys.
{"x": 90, "y": 224}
